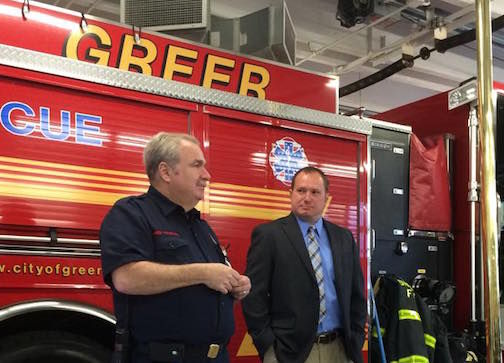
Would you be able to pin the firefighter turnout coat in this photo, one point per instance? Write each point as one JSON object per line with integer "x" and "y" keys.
{"x": 406, "y": 324}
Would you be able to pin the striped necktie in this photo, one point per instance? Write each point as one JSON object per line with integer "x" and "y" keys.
{"x": 316, "y": 260}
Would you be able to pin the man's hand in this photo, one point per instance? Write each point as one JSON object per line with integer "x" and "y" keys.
{"x": 242, "y": 289}
{"x": 221, "y": 277}
{"x": 147, "y": 278}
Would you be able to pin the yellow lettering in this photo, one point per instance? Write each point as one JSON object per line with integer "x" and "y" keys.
{"x": 99, "y": 55}
{"x": 211, "y": 75}
{"x": 247, "y": 86}
{"x": 171, "y": 65}
{"x": 128, "y": 61}
{"x": 66, "y": 271}
{"x": 39, "y": 270}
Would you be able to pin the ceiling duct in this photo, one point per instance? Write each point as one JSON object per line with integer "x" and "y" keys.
{"x": 162, "y": 15}
{"x": 267, "y": 33}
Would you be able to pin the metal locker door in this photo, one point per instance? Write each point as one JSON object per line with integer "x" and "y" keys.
{"x": 389, "y": 184}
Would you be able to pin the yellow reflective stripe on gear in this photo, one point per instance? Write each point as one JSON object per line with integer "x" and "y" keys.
{"x": 374, "y": 334}
{"x": 403, "y": 283}
{"x": 405, "y": 314}
{"x": 411, "y": 359}
{"x": 430, "y": 341}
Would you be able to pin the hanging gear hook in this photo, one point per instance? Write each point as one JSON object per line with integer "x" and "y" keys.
{"x": 137, "y": 33}
{"x": 25, "y": 8}
{"x": 83, "y": 23}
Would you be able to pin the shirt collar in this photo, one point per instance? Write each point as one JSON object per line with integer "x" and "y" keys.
{"x": 167, "y": 206}
{"x": 305, "y": 225}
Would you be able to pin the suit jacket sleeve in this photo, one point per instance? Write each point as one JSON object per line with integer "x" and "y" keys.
{"x": 358, "y": 307}
{"x": 256, "y": 306}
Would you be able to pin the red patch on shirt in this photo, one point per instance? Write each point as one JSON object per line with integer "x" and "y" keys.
{"x": 165, "y": 233}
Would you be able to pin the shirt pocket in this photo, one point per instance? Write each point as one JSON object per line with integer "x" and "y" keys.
{"x": 171, "y": 250}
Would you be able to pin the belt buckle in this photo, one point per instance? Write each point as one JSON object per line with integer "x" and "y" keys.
{"x": 321, "y": 338}
{"x": 213, "y": 351}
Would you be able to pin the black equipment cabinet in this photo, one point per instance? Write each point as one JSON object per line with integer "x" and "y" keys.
{"x": 389, "y": 182}
{"x": 394, "y": 249}
{"x": 408, "y": 254}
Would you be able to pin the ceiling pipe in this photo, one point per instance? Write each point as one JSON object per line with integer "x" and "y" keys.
{"x": 403, "y": 63}
{"x": 465, "y": 37}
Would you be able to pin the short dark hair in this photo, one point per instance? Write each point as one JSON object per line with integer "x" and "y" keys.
{"x": 310, "y": 170}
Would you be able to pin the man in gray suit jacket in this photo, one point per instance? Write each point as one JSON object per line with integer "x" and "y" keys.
{"x": 307, "y": 302}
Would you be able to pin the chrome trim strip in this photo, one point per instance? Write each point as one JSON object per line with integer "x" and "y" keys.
{"x": 35, "y": 306}
{"x": 79, "y": 241}
{"x": 9, "y": 237}
{"x": 66, "y": 67}
{"x": 48, "y": 251}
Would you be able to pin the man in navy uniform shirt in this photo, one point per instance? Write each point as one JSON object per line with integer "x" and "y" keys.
{"x": 173, "y": 286}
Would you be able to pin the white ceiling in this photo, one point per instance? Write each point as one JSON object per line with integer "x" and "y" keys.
{"x": 356, "y": 54}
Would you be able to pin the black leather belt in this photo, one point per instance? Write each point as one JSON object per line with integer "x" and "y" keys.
{"x": 170, "y": 352}
{"x": 328, "y": 337}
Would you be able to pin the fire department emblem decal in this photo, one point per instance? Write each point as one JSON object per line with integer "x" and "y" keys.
{"x": 286, "y": 157}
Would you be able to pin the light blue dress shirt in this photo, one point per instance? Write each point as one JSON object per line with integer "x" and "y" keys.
{"x": 332, "y": 319}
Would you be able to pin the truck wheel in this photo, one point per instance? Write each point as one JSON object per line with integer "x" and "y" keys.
{"x": 51, "y": 347}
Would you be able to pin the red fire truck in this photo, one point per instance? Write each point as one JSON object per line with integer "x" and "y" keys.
{"x": 79, "y": 98}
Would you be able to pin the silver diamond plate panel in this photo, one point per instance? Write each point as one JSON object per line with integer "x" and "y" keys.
{"x": 66, "y": 67}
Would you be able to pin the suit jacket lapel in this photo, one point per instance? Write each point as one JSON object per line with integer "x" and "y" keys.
{"x": 295, "y": 237}
{"x": 338, "y": 257}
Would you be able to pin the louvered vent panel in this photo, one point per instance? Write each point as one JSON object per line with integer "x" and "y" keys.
{"x": 165, "y": 14}
{"x": 289, "y": 38}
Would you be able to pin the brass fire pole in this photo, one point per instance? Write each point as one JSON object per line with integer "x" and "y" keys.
{"x": 488, "y": 187}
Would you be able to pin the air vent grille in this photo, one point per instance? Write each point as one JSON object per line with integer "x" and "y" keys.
{"x": 165, "y": 14}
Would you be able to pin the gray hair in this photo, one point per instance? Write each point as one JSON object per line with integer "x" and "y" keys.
{"x": 164, "y": 146}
